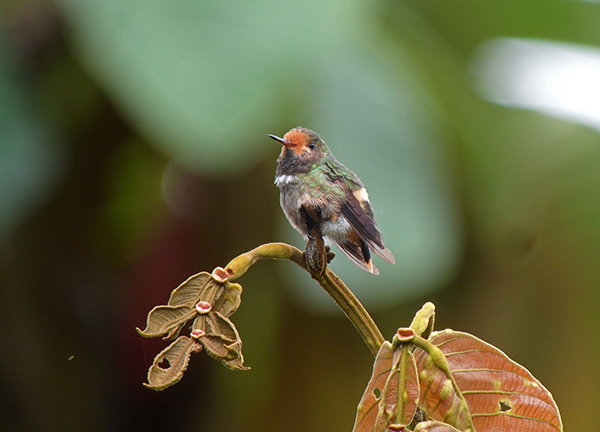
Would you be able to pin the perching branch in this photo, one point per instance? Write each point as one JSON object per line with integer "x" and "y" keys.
{"x": 333, "y": 285}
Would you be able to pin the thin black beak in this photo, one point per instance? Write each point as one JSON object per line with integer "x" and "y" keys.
{"x": 281, "y": 140}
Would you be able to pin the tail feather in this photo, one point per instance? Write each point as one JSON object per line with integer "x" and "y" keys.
{"x": 383, "y": 252}
{"x": 356, "y": 254}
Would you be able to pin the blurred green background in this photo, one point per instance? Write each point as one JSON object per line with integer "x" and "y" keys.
{"x": 133, "y": 154}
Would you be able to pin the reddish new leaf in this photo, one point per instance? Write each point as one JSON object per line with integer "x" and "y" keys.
{"x": 501, "y": 395}
{"x": 366, "y": 414}
{"x": 390, "y": 400}
{"x": 400, "y": 395}
{"x": 435, "y": 426}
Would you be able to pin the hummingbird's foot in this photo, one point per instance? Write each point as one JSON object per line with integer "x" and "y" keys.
{"x": 316, "y": 255}
{"x": 329, "y": 254}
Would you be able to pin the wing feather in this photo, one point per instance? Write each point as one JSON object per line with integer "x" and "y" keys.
{"x": 364, "y": 225}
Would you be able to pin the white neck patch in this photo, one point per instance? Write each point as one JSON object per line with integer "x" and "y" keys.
{"x": 284, "y": 179}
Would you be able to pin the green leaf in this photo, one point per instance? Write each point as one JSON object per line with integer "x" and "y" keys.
{"x": 169, "y": 365}
{"x": 424, "y": 320}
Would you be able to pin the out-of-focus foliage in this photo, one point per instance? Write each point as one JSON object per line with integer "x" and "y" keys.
{"x": 206, "y": 81}
{"x": 133, "y": 153}
{"x": 30, "y": 158}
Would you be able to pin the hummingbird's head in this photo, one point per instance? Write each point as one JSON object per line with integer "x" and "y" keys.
{"x": 302, "y": 144}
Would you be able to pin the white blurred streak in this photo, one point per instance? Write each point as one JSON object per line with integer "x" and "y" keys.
{"x": 557, "y": 79}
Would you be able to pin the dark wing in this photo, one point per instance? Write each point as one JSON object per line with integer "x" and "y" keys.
{"x": 361, "y": 219}
{"x": 364, "y": 224}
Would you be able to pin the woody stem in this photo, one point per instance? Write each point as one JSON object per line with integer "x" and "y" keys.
{"x": 334, "y": 286}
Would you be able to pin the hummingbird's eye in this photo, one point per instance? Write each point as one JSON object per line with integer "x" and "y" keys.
{"x": 312, "y": 146}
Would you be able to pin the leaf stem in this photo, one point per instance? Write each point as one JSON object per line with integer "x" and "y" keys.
{"x": 439, "y": 359}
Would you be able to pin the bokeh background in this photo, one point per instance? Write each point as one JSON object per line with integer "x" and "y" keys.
{"x": 133, "y": 154}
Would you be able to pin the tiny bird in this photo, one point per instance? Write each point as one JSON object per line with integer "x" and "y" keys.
{"x": 319, "y": 192}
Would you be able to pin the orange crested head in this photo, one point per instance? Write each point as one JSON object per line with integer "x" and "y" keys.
{"x": 299, "y": 139}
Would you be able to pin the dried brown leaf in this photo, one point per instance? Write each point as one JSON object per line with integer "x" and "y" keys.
{"x": 224, "y": 297}
{"x": 218, "y": 324}
{"x": 216, "y": 346}
{"x": 230, "y": 300}
{"x": 169, "y": 365}
{"x": 222, "y": 341}
{"x": 189, "y": 292}
{"x": 164, "y": 320}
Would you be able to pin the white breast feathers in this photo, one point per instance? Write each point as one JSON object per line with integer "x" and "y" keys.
{"x": 284, "y": 179}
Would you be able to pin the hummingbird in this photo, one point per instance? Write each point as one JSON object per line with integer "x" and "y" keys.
{"x": 317, "y": 191}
